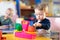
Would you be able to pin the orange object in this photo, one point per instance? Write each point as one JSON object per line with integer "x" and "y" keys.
{"x": 31, "y": 29}
{"x": 3, "y": 38}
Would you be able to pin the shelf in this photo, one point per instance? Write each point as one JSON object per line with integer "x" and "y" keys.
{"x": 26, "y": 12}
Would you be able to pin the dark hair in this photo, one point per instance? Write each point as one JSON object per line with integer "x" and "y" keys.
{"x": 41, "y": 6}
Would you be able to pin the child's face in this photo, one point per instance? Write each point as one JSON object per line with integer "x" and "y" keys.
{"x": 39, "y": 14}
{"x": 9, "y": 12}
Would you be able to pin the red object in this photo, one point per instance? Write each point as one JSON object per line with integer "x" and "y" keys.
{"x": 0, "y": 34}
{"x": 31, "y": 29}
{"x": 3, "y": 38}
{"x": 25, "y": 25}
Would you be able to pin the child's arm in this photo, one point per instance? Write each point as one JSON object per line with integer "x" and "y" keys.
{"x": 34, "y": 24}
{"x": 37, "y": 24}
{"x": 46, "y": 25}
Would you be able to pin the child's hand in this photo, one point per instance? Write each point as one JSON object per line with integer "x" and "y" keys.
{"x": 34, "y": 24}
{"x": 37, "y": 24}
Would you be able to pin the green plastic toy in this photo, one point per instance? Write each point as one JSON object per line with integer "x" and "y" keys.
{"x": 18, "y": 27}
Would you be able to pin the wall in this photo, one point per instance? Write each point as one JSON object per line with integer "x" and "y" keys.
{"x": 55, "y": 23}
{"x": 5, "y": 5}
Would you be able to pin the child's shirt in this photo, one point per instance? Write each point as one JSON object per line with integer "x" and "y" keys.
{"x": 45, "y": 24}
{"x": 5, "y": 21}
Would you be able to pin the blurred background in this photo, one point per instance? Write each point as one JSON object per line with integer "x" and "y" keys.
{"x": 25, "y": 9}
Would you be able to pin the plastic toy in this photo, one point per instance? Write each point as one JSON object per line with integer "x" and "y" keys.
{"x": 31, "y": 29}
{"x": 26, "y": 28}
{"x": 31, "y": 23}
{"x": 25, "y": 35}
{"x": 25, "y": 25}
{"x": 18, "y": 27}
{"x": 2, "y": 38}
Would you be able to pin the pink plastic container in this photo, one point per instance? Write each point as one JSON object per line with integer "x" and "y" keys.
{"x": 25, "y": 35}
{"x": 25, "y": 25}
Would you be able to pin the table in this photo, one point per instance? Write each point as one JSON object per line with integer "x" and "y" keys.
{"x": 12, "y": 37}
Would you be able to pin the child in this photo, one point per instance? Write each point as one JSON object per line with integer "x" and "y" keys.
{"x": 41, "y": 23}
{"x": 11, "y": 14}
{"x": 6, "y": 19}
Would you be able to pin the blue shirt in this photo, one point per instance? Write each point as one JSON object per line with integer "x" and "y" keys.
{"x": 45, "y": 24}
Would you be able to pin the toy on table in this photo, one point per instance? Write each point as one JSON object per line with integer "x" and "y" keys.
{"x": 31, "y": 23}
{"x": 31, "y": 29}
{"x": 25, "y": 25}
{"x": 26, "y": 28}
{"x": 25, "y": 35}
{"x": 18, "y": 27}
{"x": 2, "y": 38}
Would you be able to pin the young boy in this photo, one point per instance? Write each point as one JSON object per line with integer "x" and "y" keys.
{"x": 41, "y": 23}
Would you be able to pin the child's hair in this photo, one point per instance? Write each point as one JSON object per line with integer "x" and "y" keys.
{"x": 10, "y": 9}
{"x": 41, "y": 6}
